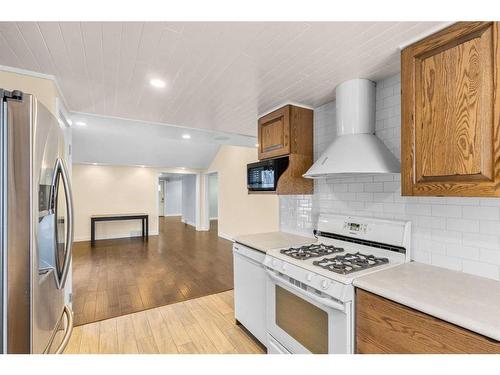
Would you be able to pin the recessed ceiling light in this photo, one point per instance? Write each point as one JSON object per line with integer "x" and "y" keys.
{"x": 94, "y": 163}
{"x": 80, "y": 123}
{"x": 186, "y": 136}
{"x": 158, "y": 83}
{"x": 256, "y": 145}
{"x": 182, "y": 167}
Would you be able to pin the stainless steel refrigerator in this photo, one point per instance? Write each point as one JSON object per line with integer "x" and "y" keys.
{"x": 36, "y": 228}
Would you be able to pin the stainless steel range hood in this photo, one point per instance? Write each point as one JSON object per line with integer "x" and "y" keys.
{"x": 356, "y": 149}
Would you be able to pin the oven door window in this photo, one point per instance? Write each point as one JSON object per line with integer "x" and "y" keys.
{"x": 305, "y": 322}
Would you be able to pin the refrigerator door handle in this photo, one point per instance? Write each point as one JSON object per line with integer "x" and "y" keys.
{"x": 69, "y": 330}
{"x": 61, "y": 168}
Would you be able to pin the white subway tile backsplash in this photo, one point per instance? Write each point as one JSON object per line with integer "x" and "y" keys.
{"x": 482, "y": 213}
{"x": 383, "y": 177}
{"x": 495, "y": 202}
{"x": 357, "y": 187}
{"x": 446, "y": 236}
{"x": 392, "y": 186}
{"x": 489, "y": 256}
{"x": 397, "y": 208}
{"x": 480, "y": 269}
{"x": 481, "y": 240}
{"x": 460, "y": 251}
{"x": 383, "y": 197}
{"x": 418, "y": 209}
{"x": 422, "y": 256}
{"x": 490, "y": 227}
{"x": 374, "y": 187}
{"x": 340, "y": 188}
{"x": 446, "y": 261}
{"x": 463, "y": 225}
{"x": 446, "y": 211}
{"x": 456, "y": 233}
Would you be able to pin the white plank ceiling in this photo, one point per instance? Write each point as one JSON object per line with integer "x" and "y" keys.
{"x": 220, "y": 75}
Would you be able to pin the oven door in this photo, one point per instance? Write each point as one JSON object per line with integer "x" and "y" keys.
{"x": 303, "y": 320}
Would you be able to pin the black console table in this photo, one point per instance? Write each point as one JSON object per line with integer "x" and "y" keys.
{"x": 113, "y": 217}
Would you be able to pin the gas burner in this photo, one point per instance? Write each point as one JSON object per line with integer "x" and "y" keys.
{"x": 311, "y": 251}
{"x": 349, "y": 262}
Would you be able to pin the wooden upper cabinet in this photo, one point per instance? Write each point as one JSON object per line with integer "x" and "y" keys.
{"x": 274, "y": 134}
{"x": 288, "y": 132}
{"x": 450, "y": 143}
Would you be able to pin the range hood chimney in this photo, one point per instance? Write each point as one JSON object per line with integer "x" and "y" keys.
{"x": 356, "y": 149}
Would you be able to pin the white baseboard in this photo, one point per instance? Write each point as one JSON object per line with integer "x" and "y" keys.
{"x": 214, "y": 218}
{"x": 225, "y": 236}
{"x": 180, "y": 214}
{"x": 188, "y": 222}
{"x": 114, "y": 236}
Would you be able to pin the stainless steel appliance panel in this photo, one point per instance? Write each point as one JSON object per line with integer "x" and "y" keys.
{"x": 36, "y": 228}
{"x": 18, "y": 215}
{"x": 50, "y": 223}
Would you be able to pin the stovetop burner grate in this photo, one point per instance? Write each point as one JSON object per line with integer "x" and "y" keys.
{"x": 311, "y": 251}
{"x": 347, "y": 263}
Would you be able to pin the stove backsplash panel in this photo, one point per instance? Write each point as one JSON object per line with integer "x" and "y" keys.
{"x": 457, "y": 233}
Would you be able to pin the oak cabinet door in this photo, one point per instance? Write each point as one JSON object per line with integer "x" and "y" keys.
{"x": 386, "y": 327}
{"x": 274, "y": 134}
{"x": 450, "y": 121}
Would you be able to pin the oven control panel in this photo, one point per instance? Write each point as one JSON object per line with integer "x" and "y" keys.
{"x": 355, "y": 227}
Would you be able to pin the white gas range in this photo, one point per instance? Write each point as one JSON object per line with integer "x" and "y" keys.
{"x": 309, "y": 291}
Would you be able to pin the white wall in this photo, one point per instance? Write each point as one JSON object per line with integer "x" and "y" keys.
{"x": 173, "y": 197}
{"x": 239, "y": 212}
{"x": 457, "y": 233}
{"x": 212, "y": 196}
{"x": 99, "y": 189}
{"x": 189, "y": 199}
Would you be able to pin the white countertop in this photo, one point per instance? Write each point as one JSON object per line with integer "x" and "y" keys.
{"x": 469, "y": 301}
{"x": 272, "y": 240}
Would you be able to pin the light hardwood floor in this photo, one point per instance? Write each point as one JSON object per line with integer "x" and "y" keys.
{"x": 201, "y": 325}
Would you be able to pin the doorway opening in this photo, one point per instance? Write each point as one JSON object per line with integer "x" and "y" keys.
{"x": 213, "y": 200}
{"x": 170, "y": 194}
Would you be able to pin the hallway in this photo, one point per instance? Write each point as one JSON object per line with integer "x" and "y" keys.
{"x": 122, "y": 276}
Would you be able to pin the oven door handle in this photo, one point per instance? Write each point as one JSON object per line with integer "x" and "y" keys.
{"x": 321, "y": 300}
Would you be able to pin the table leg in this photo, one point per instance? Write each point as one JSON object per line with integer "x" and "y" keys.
{"x": 92, "y": 232}
{"x": 147, "y": 226}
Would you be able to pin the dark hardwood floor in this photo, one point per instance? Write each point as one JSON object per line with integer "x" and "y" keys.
{"x": 118, "y": 277}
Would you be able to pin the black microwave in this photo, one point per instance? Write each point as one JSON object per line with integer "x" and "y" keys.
{"x": 264, "y": 175}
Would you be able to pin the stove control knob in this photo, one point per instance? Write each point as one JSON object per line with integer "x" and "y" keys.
{"x": 309, "y": 277}
{"x": 324, "y": 284}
